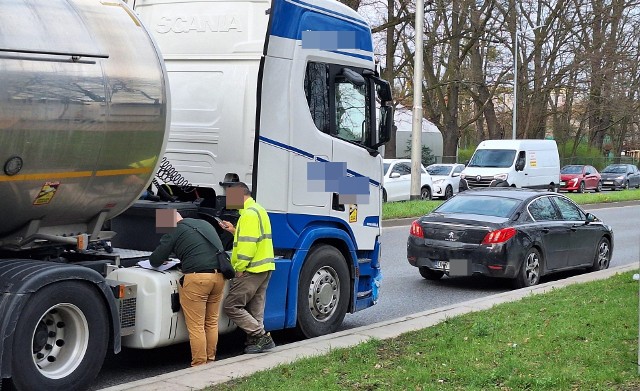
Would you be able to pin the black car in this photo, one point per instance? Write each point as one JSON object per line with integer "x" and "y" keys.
{"x": 509, "y": 233}
{"x": 620, "y": 176}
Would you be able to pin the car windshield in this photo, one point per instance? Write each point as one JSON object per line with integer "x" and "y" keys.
{"x": 571, "y": 170}
{"x": 615, "y": 169}
{"x": 492, "y": 158}
{"x": 439, "y": 170}
{"x": 480, "y": 205}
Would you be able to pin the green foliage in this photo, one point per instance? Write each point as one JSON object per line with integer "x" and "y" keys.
{"x": 584, "y": 155}
{"x": 427, "y": 156}
{"x": 464, "y": 154}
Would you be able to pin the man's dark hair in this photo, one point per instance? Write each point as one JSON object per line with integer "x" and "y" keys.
{"x": 242, "y": 186}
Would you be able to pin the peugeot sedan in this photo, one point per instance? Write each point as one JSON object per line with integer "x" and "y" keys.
{"x": 580, "y": 177}
{"x": 509, "y": 233}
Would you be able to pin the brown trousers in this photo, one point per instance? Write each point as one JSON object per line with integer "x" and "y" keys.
{"x": 200, "y": 297}
{"x": 244, "y": 303}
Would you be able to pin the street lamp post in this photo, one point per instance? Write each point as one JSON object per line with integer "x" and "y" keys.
{"x": 515, "y": 83}
{"x": 416, "y": 130}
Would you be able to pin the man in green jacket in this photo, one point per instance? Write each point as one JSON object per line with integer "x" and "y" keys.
{"x": 252, "y": 258}
{"x": 195, "y": 242}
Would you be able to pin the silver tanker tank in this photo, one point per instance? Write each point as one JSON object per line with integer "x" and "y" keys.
{"x": 83, "y": 116}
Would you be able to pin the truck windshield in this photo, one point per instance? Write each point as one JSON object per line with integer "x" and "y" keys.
{"x": 493, "y": 158}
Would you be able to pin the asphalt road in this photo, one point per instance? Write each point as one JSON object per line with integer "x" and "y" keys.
{"x": 403, "y": 292}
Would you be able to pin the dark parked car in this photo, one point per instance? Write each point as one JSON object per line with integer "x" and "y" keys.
{"x": 509, "y": 233}
{"x": 620, "y": 176}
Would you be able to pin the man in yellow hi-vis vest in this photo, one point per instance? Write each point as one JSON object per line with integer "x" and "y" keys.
{"x": 252, "y": 258}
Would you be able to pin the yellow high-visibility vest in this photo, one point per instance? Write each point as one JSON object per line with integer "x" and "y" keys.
{"x": 252, "y": 243}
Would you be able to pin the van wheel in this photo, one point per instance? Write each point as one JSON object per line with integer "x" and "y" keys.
{"x": 61, "y": 338}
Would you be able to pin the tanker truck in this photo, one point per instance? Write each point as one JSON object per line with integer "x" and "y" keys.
{"x": 103, "y": 103}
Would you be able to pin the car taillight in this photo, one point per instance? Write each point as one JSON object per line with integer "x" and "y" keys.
{"x": 499, "y": 236}
{"x": 416, "y": 230}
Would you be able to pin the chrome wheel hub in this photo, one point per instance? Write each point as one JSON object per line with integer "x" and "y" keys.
{"x": 324, "y": 293}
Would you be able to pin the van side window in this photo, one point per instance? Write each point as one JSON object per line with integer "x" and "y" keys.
{"x": 316, "y": 89}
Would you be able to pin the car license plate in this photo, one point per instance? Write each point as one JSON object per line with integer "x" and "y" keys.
{"x": 608, "y": 182}
{"x": 442, "y": 265}
{"x": 563, "y": 183}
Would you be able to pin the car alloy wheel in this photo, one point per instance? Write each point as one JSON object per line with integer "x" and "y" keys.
{"x": 530, "y": 271}
{"x": 425, "y": 193}
{"x": 603, "y": 256}
{"x": 448, "y": 192}
{"x": 581, "y": 189}
{"x": 599, "y": 187}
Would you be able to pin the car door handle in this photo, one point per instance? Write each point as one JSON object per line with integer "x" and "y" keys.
{"x": 545, "y": 230}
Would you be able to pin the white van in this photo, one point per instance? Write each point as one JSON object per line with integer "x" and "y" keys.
{"x": 517, "y": 163}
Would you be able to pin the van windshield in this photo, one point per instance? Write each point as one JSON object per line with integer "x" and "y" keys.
{"x": 492, "y": 158}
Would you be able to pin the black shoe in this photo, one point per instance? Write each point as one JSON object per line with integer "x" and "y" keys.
{"x": 251, "y": 340}
{"x": 264, "y": 342}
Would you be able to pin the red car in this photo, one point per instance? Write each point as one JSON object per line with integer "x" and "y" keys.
{"x": 580, "y": 177}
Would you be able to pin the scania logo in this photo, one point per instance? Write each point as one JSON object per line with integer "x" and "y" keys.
{"x": 198, "y": 24}
{"x": 478, "y": 178}
{"x": 451, "y": 237}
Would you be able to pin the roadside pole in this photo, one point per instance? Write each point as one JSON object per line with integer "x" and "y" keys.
{"x": 416, "y": 130}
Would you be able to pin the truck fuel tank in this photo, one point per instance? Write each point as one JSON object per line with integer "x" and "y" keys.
{"x": 83, "y": 114}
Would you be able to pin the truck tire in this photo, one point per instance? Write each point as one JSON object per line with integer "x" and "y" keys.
{"x": 60, "y": 339}
{"x": 323, "y": 292}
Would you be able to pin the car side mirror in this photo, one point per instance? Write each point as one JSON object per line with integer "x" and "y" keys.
{"x": 591, "y": 218}
{"x": 587, "y": 173}
{"x": 394, "y": 175}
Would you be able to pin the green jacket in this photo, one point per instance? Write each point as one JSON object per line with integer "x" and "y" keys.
{"x": 252, "y": 243}
{"x": 196, "y": 254}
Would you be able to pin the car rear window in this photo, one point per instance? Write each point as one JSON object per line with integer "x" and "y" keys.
{"x": 480, "y": 205}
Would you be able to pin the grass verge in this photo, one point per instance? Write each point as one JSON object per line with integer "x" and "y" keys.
{"x": 402, "y": 209}
{"x": 573, "y": 338}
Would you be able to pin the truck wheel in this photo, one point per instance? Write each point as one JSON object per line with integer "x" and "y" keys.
{"x": 323, "y": 292}
{"x": 61, "y": 338}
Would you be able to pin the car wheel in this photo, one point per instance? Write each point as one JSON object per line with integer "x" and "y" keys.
{"x": 599, "y": 187}
{"x": 384, "y": 195}
{"x": 323, "y": 291}
{"x": 581, "y": 189}
{"x": 626, "y": 185}
{"x": 429, "y": 274}
{"x": 603, "y": 256}
{"x": 529, "y": 274}
{"x": 425, "y": 193}
{"x": 448, "y": 192}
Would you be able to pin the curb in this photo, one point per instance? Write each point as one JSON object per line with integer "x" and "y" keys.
{"x": 222, "y": 371}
